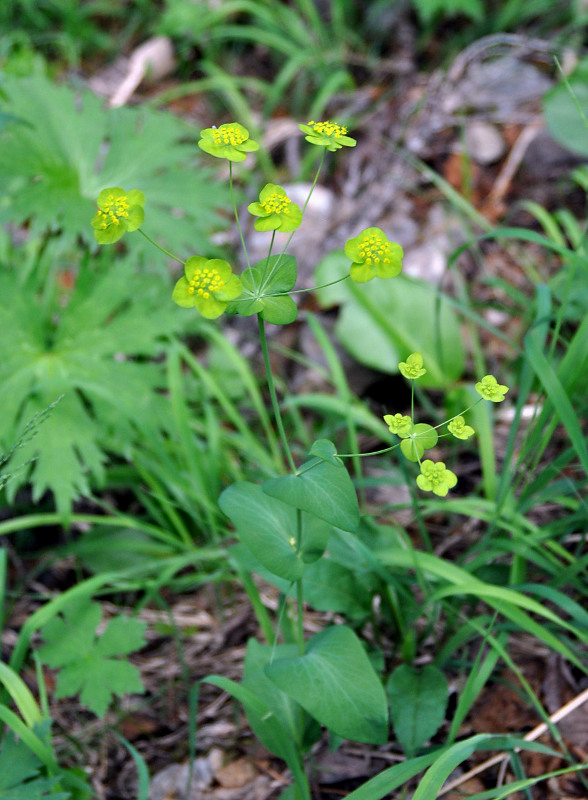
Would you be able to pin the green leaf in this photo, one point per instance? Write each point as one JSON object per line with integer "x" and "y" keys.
{"x": 278, "y": 273}
{"x": 266, "y": 285}
{"x": 19, "y": 773}
{"x": 377, "y": 322}
{"x": 326, "y": 451}
{"x": 52, "y": 168}
{"x": 287, "y": 712}
{"x": 94, "y": 355}
{"x": 322, "y": 489}
{"x": 423, "y": 437}
{"x": 279, "y": 310}
{"x": 418, "y": 699}
{"x": 262, "y": 709}
{"x": 429, "y": 9}
{"x": 336, "y": 683}
{"x": 329, "y": 586}
{"x": 87, "y": 664}
{"x": 269, "y": 529}
{"x": 562, "y": 115}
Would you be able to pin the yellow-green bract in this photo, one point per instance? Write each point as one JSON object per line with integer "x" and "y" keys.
{"x": 373, "y": 256}
{"x": 118, "y": 212}
{"x": 208, "y": 285}
{"x": 412, "y": 368}
{"x": 275, "y": 209}
{"x": 436, "y": 478}
{"x": 230, "y": 141}
{"x": 490, "y": 389}
{"x": 327, "y": 134}
{"x": 399, "y": 424}
{"x": 459, "y": 429}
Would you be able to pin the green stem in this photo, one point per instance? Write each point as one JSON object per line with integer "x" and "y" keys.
{"x": 372, "y": 453}
{"x": 273, "y": 396}
{"x": 234, "y": 202}
{"x": 306, "y": 202}
{"x": 300, "y": 613}
{"x": 159, "y": 247}
{"x": 299, "y": 592}
{"x": 322, "y": 286}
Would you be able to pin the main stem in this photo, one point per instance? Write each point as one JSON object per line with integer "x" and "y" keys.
{"x": 273, "y": 396}
{"x": 299, "y": 592}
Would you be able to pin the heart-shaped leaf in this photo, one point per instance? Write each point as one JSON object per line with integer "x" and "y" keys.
{"x": 326, "y": 451}
{"x": 336, "y": 683}
{"x": 269, "y": 529}
{"x": 322, "y": 489}
{"x": 266, "y": 526}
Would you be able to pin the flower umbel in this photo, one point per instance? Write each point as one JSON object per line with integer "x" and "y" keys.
{"x": 118, "y": 212}
{"x": 490, "y": 389}
{"x": 459, "y": 429}
{"x": 327, "y": 134}
{"x": 373, "y": 256}
{"x": 436, "y": 478}
{"x": 230, "y": 141}
{"x": 412, "y": 368}
{"x": 399, "y": 424}
{"x": 275, "y": 209}
{"x": 208, "y": 286}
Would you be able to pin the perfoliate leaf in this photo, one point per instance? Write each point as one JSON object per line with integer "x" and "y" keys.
{"x": 264, "y": 291}
{"x": 320, "y": 488}
{"x": 278, "y": 273}
{"x": 329, "y": 586}
{"x": 326, "y": 451}
{"x": 423, "y": 437}
{"x": 269, "y": 529}
{"x": 336, "y": 683}
{"x": 87, "y": 663}
{"x": 287, "y": 712}
{"x": 279, "y": 310}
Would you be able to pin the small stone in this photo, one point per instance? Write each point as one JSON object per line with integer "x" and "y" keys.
{"x": 484, "y": 143}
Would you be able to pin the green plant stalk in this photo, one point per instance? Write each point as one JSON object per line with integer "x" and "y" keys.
{"x": 273, "y": 396}
{"x": 266, "y": 278}
{"x": 159, "y": 247}
{"x": 236, "y": 213}
{"x": 299, "y": 588}
{"x": 342, "y": 388}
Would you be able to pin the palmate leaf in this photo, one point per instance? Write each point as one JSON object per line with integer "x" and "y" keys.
{"x": 88, "y": 664}
{"x": 19, "y": 773}
{"x": 88, "y": 357}
{"x": 69, "y": 148}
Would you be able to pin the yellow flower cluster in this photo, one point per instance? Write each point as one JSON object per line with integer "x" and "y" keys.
{"x": 328, "y": 128}
{"x": 228, "y": 134}
{"x": 205, "y": 281}
{"x": 374, "y": 249}
{"x": 114, "y": 208}
{"x": 276, "y": 204}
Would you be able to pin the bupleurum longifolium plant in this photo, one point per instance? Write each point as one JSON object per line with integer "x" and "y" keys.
{"x": 212, "y": 288}
{"x": 290, "y": 690}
